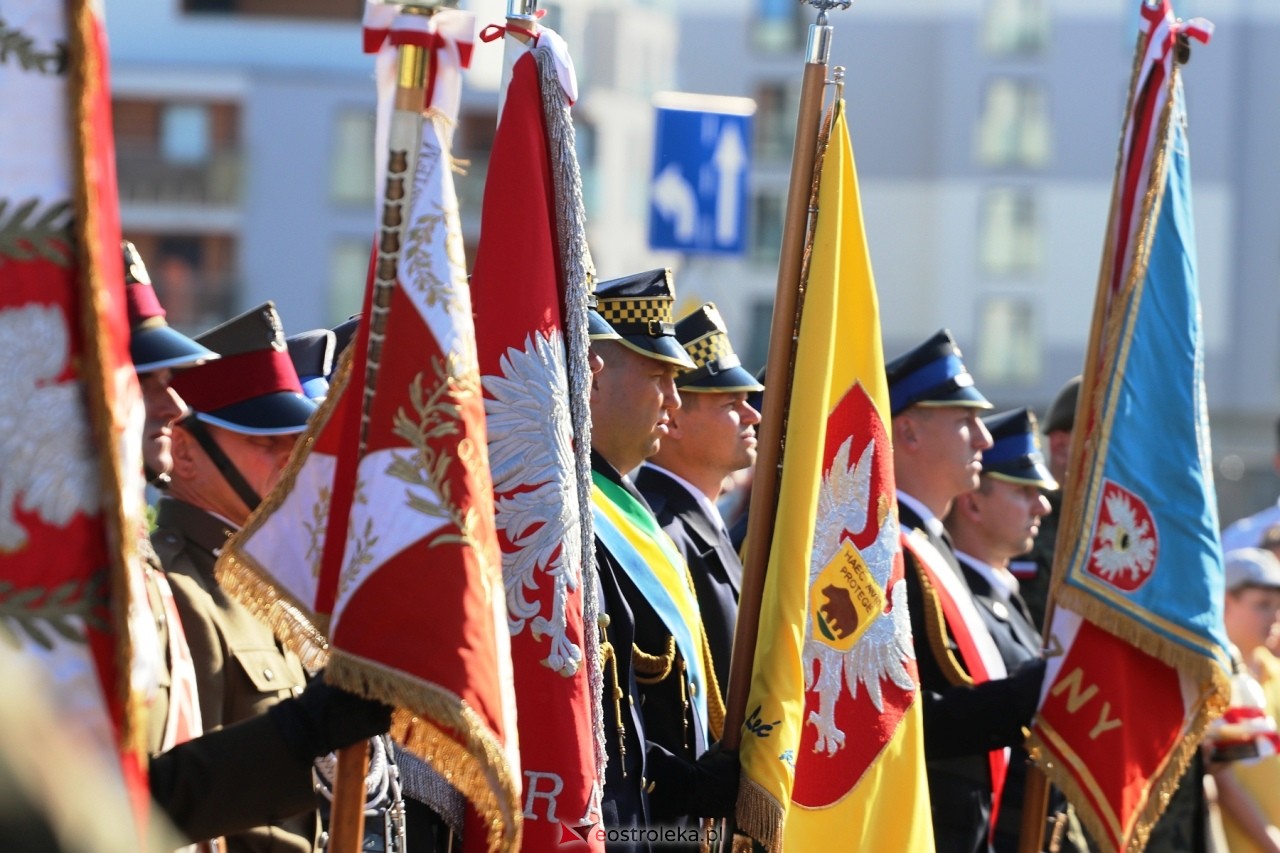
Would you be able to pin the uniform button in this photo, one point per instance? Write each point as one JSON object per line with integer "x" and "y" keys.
{"x": 693, "y": 688}
{"x": 268, "y": 675}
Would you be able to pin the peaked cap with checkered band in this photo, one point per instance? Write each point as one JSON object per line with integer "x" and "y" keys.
{"x": 639, "y": 308}
{"x": 705, "y": 337}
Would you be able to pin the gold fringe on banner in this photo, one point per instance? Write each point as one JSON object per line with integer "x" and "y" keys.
{"x": 438, "y": 726}
{"x": 1161, "y": 789}
{"x": 759, "y": 815}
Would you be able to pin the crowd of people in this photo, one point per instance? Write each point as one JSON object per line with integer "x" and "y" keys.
{"x": 239, "y": 731}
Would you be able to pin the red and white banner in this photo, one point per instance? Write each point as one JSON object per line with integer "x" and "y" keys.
{"x": 71, "y": 504}
{"x": 527, "y": 358}
{"x": 377, "y": 554}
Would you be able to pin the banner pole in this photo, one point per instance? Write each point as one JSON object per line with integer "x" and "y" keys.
{"x": 782, "y": 336}
{"x": 346, "y": 823}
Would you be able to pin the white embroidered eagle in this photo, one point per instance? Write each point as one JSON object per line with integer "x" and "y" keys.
{"x": 845, "y": 503}
{"x": 531, "y": 456}
{"x": 47, "y": 466}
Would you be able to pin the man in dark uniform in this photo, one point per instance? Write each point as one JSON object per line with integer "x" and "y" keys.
{"x": 711, "y": 436}
{"x": 973, "y": 707}
{"x": 656, "y": 662}
{"x": 1034, "y": 569}
{"x": 989, "y": 526}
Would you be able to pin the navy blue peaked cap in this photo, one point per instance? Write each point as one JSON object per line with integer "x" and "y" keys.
{"x": 1015, "y": 454}
{"x": 932, "y": 374}
{"x": 639, "y": 309}
{"x": 312, "y": 355}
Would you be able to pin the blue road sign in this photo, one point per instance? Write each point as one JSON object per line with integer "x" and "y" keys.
{"x": 698, "y": 192}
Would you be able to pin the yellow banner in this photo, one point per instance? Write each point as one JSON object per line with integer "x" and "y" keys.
{"x": 832, "y": 751}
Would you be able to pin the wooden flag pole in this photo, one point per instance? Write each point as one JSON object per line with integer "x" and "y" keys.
{"x": 346, "y": 822}
{"x": 782, "y": 337}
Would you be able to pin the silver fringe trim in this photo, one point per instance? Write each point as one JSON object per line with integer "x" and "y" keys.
{"x": 579, "y": 277}
{"x": 421, "y": 782}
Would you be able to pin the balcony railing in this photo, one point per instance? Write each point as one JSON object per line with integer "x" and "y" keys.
{"x": 147, "y": 178}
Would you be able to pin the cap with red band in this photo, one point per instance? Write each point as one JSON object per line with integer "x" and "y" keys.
{"x": 153, "y": 344}
{"x": 253, "y": 388}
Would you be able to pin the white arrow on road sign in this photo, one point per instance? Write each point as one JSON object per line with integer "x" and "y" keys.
{"x": 675, "y": 199}
{"x": 730, "y": 159}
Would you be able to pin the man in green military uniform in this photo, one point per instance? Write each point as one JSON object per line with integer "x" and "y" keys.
{"x": 259, "y": 769}
{"x": 247, "y": 411}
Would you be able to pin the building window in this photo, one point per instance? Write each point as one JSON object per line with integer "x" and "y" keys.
{"x": 348, "y": 274}
{"x": 1015, "y": 27}
{"x": 184, "y": 134}
{"x": 1010, "y": 239}
{"x": 1014, "y": 127}
{"x": 1008, "y": 349}
{"x": 779, "y": 26}
{"x": 177, "y": 153}
{"x": 351, "y": 168}
{"x": 767, "y": 213}
{"x": 193, "y": 275}
{"x": 775, "y": 121}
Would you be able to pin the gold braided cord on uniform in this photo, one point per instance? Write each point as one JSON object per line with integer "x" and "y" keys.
{"x": 609, "y": 656}
{"x": 653, "y": 669}
{"x": 935, "y": 625}
{"x": 715, "y": 699}
{"x": 439, "y": 726}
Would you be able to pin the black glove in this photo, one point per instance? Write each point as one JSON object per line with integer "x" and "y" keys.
{"x": 324, "y": 718}
{"x": 715, "y": 784}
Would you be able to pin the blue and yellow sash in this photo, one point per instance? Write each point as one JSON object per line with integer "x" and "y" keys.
{"x": 650, "y": 559}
